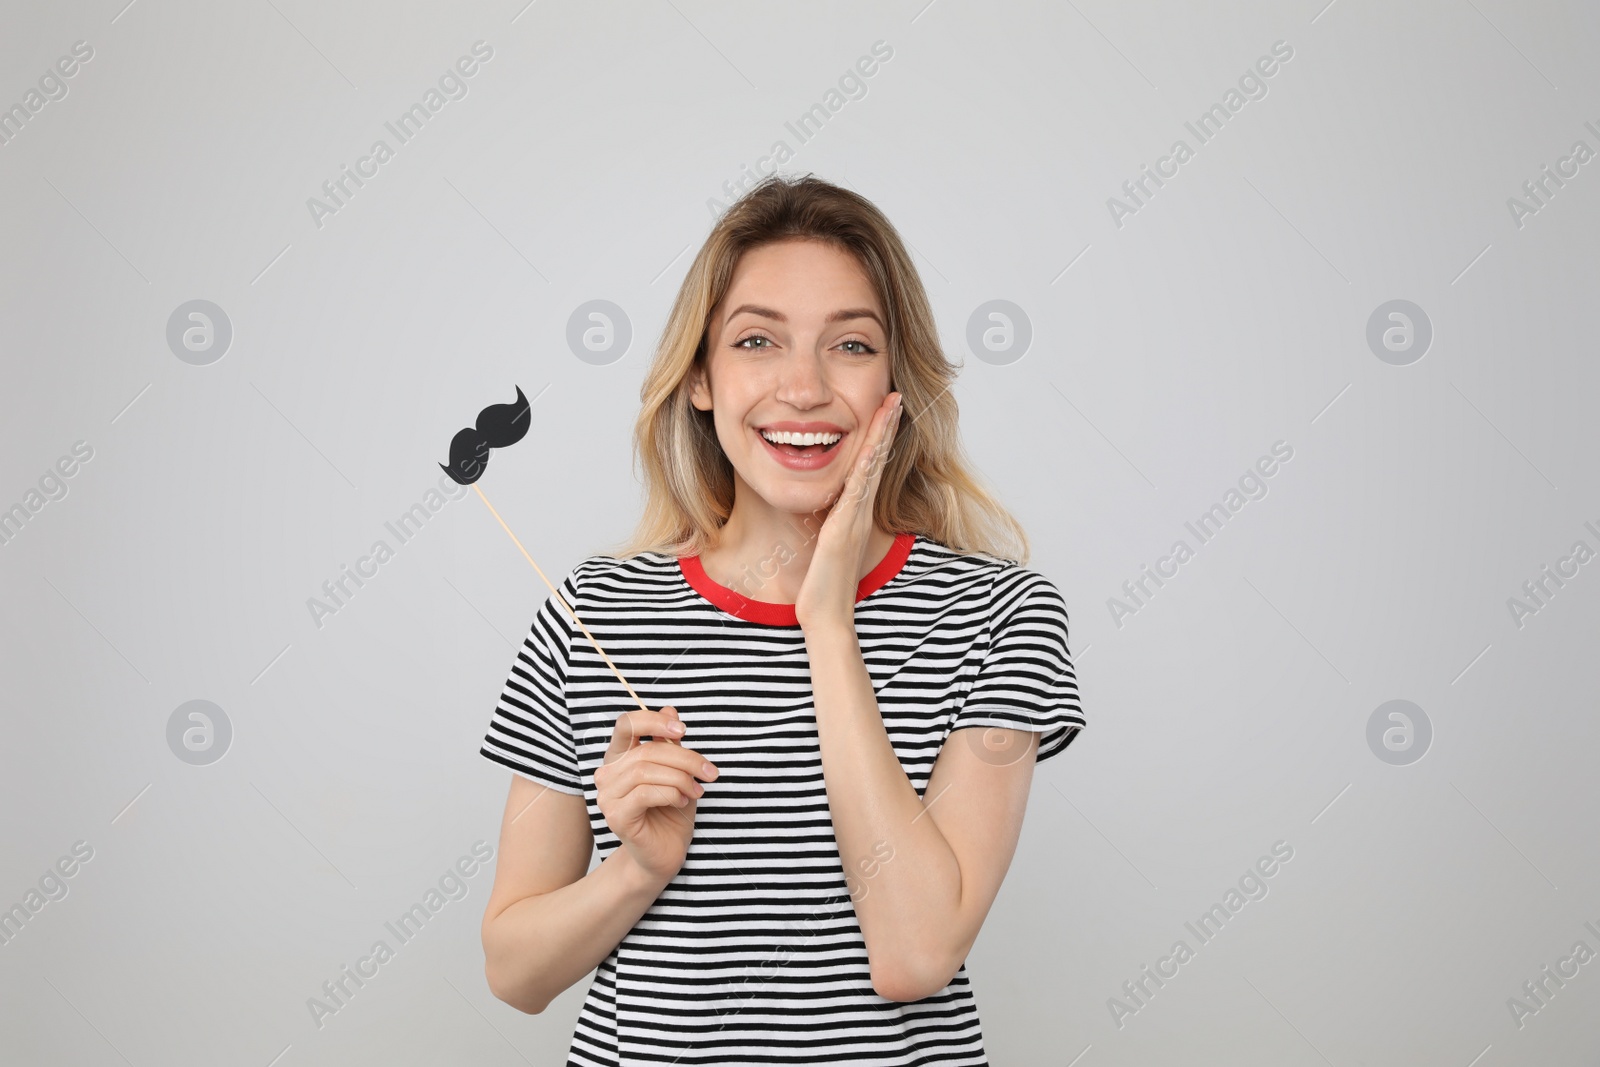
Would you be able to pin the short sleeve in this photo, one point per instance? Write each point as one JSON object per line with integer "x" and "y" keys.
{"x": 1026, "y": 680}
{"x": 530, "y": 731}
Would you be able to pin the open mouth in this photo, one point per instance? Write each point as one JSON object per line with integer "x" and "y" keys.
{"x": 801, "y": 444}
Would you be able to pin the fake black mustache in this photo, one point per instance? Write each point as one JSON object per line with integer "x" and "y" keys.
{"x": 498, "y": 425}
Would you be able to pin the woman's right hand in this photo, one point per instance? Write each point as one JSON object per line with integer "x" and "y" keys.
{"x": 648, "y": 792}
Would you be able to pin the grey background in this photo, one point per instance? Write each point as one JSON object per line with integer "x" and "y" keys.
{"x": 1167, "y": 355}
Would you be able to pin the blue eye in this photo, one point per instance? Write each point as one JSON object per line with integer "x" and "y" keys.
{"x": 744, "y": 343}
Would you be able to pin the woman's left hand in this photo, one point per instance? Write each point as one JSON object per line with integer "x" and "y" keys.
{"x": 828, "y": 593}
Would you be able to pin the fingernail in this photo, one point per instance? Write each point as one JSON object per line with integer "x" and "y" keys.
{"x": 706, "y": 770}
{"x": 675, "y": 728}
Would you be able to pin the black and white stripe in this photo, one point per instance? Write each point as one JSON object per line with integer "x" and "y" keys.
{"x": 753, "y": 953}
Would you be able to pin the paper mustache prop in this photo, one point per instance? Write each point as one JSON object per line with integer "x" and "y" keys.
{"x": 498, "y": 426}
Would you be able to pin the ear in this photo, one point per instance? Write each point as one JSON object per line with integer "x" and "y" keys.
{"x": 699, "y": 393}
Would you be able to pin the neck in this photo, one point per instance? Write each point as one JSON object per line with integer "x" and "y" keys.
{"x": 765, "y": 557}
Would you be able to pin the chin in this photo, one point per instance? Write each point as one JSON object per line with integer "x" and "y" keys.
{"x": 800, "y": 500}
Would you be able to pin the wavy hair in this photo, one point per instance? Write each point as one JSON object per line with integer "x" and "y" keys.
{"x": 927, "y": 486}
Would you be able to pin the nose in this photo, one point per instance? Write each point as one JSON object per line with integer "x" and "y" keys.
{"x": 802, "y": 380}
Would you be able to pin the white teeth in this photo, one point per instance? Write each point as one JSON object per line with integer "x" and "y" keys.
{"x": 787, "y": 437}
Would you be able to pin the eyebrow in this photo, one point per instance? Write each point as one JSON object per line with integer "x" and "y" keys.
{"x": 842, "y": 315}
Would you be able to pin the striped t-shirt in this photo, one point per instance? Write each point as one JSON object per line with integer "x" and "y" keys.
{"x": 753, "y": 953}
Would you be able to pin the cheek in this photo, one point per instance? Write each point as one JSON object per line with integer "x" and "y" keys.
{"x": 735, "y": 406}
{"x": 731, "y": 420}
{"x": 863, "y": 417}
{"x": 735, "y": 437}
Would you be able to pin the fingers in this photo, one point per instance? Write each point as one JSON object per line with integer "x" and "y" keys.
{"x": 886, "y": 435}
{"x": 633, "y": 726}
{"x": 862, "y": 481}
{"x": 879, "y": 457}
{"x": 676, "y": 728}
{"x": 656, "y": 783}
{"x": 656, "y": 775}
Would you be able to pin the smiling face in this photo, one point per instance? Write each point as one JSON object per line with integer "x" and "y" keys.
{"x": 798, "y": 346}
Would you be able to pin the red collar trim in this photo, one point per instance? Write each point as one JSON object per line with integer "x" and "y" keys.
{"x": 771, "y": 614}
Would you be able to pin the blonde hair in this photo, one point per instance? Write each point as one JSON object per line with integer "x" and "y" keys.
{"x": 926, "y": 486}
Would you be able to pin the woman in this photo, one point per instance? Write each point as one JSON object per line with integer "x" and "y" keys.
{"x": 799, "y": 846}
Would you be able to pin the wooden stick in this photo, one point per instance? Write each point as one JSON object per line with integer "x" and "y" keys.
{"x": 562, "y": 599}
{"x": 581, "y": 626}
